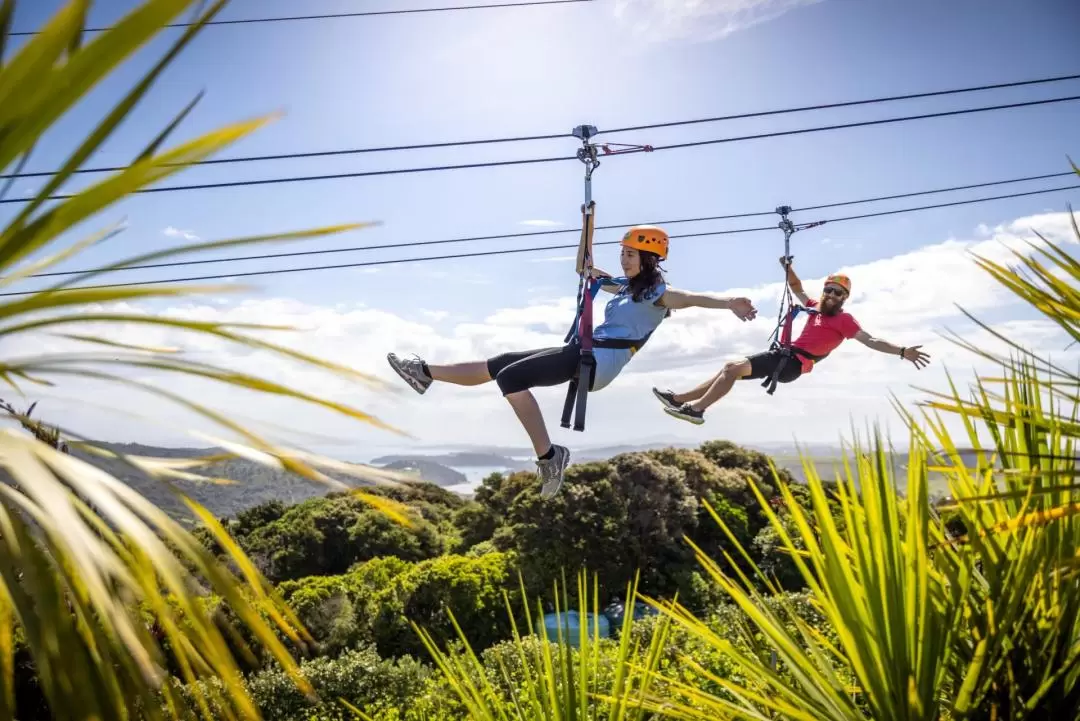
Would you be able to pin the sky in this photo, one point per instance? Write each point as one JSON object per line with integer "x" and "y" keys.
{"x": 421, "y": 78}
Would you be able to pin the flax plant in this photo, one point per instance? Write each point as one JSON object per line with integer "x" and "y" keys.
{"x": 558, "y": 682}
{"x": 930, "y": 624}
{"x": 95, "y": 580}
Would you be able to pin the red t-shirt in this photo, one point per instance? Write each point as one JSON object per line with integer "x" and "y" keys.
{"x": 824, "y": 333}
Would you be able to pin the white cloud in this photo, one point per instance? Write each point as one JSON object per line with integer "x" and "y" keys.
{"x": 541, "y": 223}
{"x": 906, "y": 299}
{"x": 178, "y": 233}
{"x": 702, "y": 20}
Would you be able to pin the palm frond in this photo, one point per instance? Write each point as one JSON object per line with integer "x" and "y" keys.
{"x": 106, "y": 588}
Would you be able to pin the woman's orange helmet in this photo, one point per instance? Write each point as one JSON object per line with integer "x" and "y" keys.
{"x": 649, "y": 238}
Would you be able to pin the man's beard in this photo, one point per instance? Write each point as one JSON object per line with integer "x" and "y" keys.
{"x": 830, "y": 307}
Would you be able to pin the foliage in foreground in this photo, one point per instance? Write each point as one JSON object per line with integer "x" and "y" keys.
{"x": 97, "y": 580}
{"x": 566, "y": 676}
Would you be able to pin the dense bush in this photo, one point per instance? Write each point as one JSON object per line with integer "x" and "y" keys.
{"x": 375, "y": 601}
{"x": 358, "y": 581}
{"x": 472, "y": 587}
{"x": 382, "y": 688}
{"x": 324, "y": 536}
{"x": 629, "y": 514}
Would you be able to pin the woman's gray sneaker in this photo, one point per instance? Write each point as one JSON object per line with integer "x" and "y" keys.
{"x": 412, "y": 371}
{"x": 551, "y": 471}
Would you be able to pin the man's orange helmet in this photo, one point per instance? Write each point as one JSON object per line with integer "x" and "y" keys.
{"x": 649, "y": 238}
{"x": 841, "y": 280}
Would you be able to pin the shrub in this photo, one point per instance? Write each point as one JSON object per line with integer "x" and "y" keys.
{"x": 473, "y": 588}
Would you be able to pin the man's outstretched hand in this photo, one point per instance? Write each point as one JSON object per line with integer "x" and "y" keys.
{"x": 916, "y": 356}
{"x": 743, "y": 308}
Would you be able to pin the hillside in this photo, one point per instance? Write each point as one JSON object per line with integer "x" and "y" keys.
{"x": 254, "y": 483}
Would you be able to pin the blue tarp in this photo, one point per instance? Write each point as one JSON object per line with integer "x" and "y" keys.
{"x": 571, "y": 622}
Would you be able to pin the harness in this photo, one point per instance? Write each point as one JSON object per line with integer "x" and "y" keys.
{"x": 577, "y": 392}
{"x": 780, "y": 340}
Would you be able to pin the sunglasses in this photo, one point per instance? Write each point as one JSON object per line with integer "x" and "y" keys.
{"x": 832, "y": 290}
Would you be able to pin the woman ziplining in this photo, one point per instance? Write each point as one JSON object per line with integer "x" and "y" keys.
{"x": 642, "y": 300}
{"x": 828, "y": 326}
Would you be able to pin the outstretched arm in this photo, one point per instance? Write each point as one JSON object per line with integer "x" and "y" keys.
{"x": 913, "y": 354}
{"x": 795, "y": 284}
{"x": 676, "y": 299}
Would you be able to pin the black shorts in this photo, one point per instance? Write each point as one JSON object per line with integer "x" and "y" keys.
{"x": 762, "y": 365}
{"x": 521, "y": 370}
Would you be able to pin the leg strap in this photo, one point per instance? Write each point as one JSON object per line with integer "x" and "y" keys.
{"x": 774, "y": 377}
{"x": 577, "y": 392}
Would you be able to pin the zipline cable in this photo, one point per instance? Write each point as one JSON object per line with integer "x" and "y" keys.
{"x": 534, "y": 233}
{"x": 843, "y": 104}
{"x": 512, "y": 251}
{"x": 497, "y": 163}
{"x": 339, "y": 16}
{"x": 865, "y": 123}
{"x": 559, "y": 136}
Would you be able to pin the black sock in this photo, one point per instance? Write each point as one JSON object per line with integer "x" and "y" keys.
{"x": 549, "y": 455}
{"x": 423, "y": 367}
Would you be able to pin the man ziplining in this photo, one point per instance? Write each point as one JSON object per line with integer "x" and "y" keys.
{"x": 828, "y": 326}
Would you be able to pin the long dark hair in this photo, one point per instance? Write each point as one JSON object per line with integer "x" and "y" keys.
{"x": 650, "y": 276}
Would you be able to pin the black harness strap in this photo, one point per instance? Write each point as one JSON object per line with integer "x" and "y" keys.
{"x": 787, "y": 354}
{"x": 621, "y": 343}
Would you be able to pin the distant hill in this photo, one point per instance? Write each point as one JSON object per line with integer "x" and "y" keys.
{"x": 462, "y": 459}
{"x": 254, "y": 482}
{"x": 431, "y": 472}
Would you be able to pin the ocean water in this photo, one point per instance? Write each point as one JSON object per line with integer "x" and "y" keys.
{"x": 476, "y": 475}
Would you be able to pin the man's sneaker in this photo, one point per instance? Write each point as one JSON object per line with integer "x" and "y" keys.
{"x": 551, "y": 471}
{"x": 412, "y": 371}
{"x": 686, "y": 413}
{"x": 666, "y": 397}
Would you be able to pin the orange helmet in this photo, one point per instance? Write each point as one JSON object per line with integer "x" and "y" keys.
{"x": 841, "y": 280}
{"x": 649, "y": 238}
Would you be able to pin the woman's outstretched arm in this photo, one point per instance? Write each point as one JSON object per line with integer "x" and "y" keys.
{"x": 676, "y": 299}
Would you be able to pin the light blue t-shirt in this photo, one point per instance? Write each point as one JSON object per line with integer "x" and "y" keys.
{"x": 625, "y": 319}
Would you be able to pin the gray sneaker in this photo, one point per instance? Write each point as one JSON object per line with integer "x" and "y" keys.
{"x": 412, "y": 371}
{"x": 551, "y": 471}
{"x": 687, "y": 413}
{"x": 666, "y": 397}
